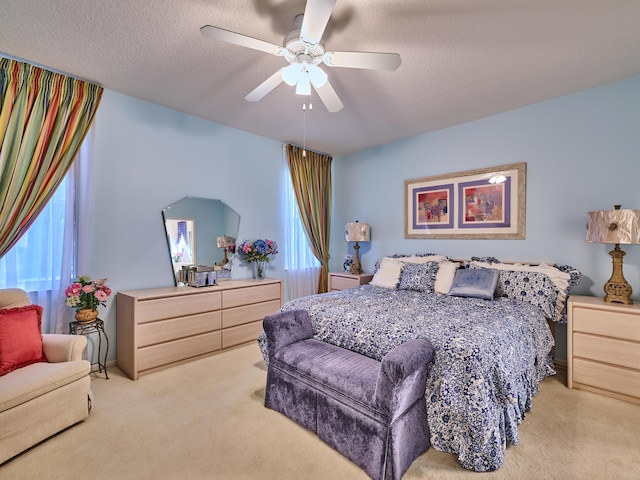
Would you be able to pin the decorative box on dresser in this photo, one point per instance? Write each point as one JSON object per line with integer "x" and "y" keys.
{"x": 161, "y": 327}
{"x": 603, "y": 347}
{"x": 342, "y": 281}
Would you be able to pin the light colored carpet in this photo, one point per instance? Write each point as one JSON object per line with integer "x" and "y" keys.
{"x": 206, "y": 420}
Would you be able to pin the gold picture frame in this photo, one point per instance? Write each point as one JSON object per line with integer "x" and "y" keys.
{"x": 487, "y": 203}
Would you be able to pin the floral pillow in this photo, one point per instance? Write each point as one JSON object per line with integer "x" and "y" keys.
{"x": 415, "y": 258}
{"x": 485, "y": 259}
{"x": 420, "y": 277}
{"x": 562, "y": 277}
{"x": 533, "y": 287}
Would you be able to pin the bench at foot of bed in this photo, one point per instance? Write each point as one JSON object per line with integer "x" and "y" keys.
{"x": 372, "y": 412}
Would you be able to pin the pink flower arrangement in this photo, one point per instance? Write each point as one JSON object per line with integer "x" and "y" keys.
{"x": 87, "y": 294}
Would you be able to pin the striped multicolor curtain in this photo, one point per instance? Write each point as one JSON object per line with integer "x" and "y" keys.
{"x": 311, "y": 178}
{"x": 44, "y": 116}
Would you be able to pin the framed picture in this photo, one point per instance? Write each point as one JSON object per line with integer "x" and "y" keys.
{"x": 488, "y": 203}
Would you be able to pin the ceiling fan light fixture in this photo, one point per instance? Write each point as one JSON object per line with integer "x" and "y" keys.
{"x": 303, "y": 87}
{"x": 290, "y": 74}
{"x": 304, "y": 50}
{"x": 317, "y": 76}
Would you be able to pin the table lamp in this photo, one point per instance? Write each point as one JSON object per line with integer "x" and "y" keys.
{"x": 357, "y": 232}
{"x": 615, "y": 226}
{"x": 224, "y": 242}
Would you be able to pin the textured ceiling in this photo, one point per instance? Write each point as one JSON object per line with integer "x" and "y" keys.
{"x": 461, "y": 59}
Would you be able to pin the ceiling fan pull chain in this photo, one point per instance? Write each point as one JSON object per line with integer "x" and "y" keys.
{"x": 304, "y": 129}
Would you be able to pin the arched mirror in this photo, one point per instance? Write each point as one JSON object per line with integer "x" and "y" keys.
{"x": 195, "y": 227}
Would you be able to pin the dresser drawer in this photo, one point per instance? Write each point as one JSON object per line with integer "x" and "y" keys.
{"x": 165, "y": 353}
{"x": 249, "y": 313}
{"x": 169, "y": 307}
{"x": 608, "y": 323}
{"x": 607, "y": 350}
{"x": 151, "y": 333}
{"x": 241, "y": 334}
{"x": 615, "y": 379}
{"x": 246, "y": 296}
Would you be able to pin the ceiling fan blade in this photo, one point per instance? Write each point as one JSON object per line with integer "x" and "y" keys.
{"x": 265, "y": 87}
{"x": 238, "y": 39}
{"x": 329, "y": 97}
{"x": 369, "y": 60}
{"x": 315, "y": 19}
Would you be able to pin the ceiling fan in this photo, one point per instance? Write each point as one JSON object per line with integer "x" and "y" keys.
{"x": 304, "y": 51}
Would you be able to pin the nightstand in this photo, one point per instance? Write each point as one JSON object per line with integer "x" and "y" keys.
{"x": 603, "y": 347}
{"x": 342, "y": 281}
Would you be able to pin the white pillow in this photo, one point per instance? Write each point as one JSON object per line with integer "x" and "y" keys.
{"x": 445, "y": 276}
{"x": 388, "y": 273}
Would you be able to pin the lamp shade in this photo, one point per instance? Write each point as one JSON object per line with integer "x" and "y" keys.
{"x": 225, "y": 241}
{"x": 614, "y": 226}
{"x": 357, "y": 232}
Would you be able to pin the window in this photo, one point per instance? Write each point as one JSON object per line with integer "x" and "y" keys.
{"x": 34, "y": 262}
{"x": 44, "y": 260}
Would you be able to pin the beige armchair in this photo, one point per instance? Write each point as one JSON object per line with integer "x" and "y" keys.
{"x": 41, "y": 399}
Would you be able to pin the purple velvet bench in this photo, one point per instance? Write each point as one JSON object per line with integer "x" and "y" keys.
{"x": 372, "y": 412}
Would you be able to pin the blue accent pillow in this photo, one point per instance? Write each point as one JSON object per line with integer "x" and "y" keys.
{"x": 420, "y": 277}
{"x": 475, "y": 283}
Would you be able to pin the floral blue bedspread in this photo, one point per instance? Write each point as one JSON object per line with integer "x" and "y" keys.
{"x": 490, "y": 358}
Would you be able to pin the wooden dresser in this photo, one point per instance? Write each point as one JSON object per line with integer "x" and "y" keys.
{"x": 603, "y": 347}
{"x": 342, "y": 281}
{"x": 161, "y": 327}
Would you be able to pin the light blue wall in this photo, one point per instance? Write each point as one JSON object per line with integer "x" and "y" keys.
{"x": 146, "y": 158}
{"x": 582, "y": 153}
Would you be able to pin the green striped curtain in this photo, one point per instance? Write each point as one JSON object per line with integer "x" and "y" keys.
{"x": 311, "y": 178}
{"x": 44, "y": 117}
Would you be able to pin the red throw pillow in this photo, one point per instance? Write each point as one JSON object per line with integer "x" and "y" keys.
{"x": 20, "y": 337}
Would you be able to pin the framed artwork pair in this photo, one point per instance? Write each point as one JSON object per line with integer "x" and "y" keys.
{"x": 487, "y": 203}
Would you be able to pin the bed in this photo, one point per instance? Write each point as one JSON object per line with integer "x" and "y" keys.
{"x": 488, "y": 323}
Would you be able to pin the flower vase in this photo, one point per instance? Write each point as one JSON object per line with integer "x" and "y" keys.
{"x": 86, "y": 315}
{"x": 259, "y": 269}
